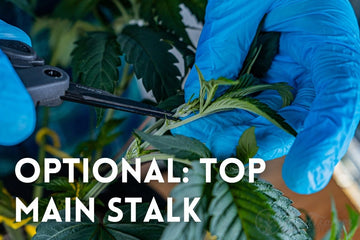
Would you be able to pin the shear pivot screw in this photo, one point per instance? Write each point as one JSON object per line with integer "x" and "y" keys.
{"x": 52, "y": 73}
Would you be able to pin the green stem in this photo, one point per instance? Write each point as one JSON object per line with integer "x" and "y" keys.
{"x": 185, "y": 121}
{"x": 254, "y": 60}
{"x": 38, "y": 190}
{"x": 17, "y": 234}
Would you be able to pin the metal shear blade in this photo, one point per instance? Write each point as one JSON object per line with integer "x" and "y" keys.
{"x": 99, "y": 98}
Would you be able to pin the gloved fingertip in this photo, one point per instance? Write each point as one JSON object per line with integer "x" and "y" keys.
{"x": 306, "y": 177}
{"x": 22, "y": 126}
{"x": 17, "y": 110}
{"x": 9, "y": 32}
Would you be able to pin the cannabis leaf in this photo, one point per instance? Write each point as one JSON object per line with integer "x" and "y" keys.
{"x": 179, "y": 146}
{"x": 86, "y": 229}
{"x": 282, "y": 88}
{"x": 185, "y": 50}
{"x": 253, "y": 211}
{"x": 165, "y": 14}
{"x": 196, "y": 187}
{"x": 251, "y": 105}
{"x": 95, "y": 61}
{"x": 151, "y": 59}
{"x": 168, "y": 12}
{"x": 247, "y": 147}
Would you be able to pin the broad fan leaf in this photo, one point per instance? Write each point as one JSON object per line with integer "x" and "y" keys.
{"x": 256, "y": 211}
{"x": 152, "y": 60}
{"x": 165, "y": 13}
{"x": 196, "y": 187}
{"x": 87, "y": 230}
{"x": 96, "y": 60}
{"x": 179, "y": 146}
{"x": 251, "y": 105}
{"x": 197, "y": 7}
{"x": 168, "y": 12}
{"x": 183, "y": 47}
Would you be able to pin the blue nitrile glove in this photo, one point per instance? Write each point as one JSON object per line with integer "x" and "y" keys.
{"x": 17, "y": 112}
{"x": 319, "y": 56}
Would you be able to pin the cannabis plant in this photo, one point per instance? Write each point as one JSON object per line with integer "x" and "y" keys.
{"x": 93, "y": 38}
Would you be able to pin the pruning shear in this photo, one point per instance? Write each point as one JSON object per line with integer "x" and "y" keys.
{"x": 49, "y": 86}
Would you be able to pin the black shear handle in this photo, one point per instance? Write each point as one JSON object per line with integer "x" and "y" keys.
{"x": 45, "y": 84}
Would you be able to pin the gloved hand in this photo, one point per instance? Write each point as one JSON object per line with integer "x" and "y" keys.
{"x": 318, "y": 56}
{"x": 17, "y": 112}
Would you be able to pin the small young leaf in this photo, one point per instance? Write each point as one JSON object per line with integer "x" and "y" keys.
{"x": 151, "y": 59}
{"x": 179, "y": 146}
{"x": 247, "y": 147}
